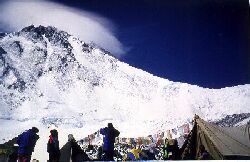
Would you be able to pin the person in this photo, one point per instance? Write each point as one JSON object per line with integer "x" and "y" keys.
{"x": 27, "y": 141}
{"x": 110, "y": 133}
{"x": 5, "y": 152}
{"x": 186, "y": 154}
{"x": 53, "y": 146}
{"x": 171, "y": 150}
{"x": 176, "y": 151}
{"x": 149, "y": 155}
{"x": 77, "y": 154}
{"x": 164, "y": 149}
{"x": 99, "y": 153}
{"x": 203, "y": 154}
{"x": 151, "y": 151}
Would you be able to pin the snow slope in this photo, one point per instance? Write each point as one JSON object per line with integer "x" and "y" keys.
{"x": 49, "y": 78}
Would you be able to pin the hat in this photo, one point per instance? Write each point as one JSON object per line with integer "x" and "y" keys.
{"x": 110, "y": 125}
{"x": 54, "y": 132}
{"x": 71, "y": 137}
{"x": 35, "y": 129}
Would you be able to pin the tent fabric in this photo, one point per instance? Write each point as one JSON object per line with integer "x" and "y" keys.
{"x": 8, "y": 152}
{"x": 223, "y": 142}
{"x": 65, "y": 153}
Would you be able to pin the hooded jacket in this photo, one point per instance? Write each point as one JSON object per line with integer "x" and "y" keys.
{"x": 27, "y": 141}
{"x": 109, "y": 138}
{"x": 53, "y": 146}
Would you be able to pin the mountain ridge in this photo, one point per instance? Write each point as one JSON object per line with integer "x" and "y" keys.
{"x": 51, "y": 78}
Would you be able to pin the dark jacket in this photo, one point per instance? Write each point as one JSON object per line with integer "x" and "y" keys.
{"x": 53, "y": 148}
{"x": 109, "y": 138}
{"x": 27, "y": 141}
{"x": 71, "y": 150}
{"x": 171, "y": 150}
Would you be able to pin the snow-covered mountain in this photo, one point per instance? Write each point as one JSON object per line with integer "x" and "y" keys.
{"x": 49, "y": 77}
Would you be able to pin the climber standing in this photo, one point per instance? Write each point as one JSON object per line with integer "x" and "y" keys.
{"x": 53, "y": 146}
{"x": 110, "y": 133}
{"x": 27, "y": 141}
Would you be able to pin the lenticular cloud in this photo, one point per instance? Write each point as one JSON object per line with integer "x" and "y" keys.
{"x": 15, "y": 15}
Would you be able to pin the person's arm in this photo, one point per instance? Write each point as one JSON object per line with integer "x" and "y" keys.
{"x": 117, "y": 133}
{"x": 33, "y": 139}
{"x": 48, "y": 147}
{"x": 103, "y": 131}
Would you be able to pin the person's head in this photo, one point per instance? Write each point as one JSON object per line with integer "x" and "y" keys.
{"x": 71, "y": 137}
{"x": 110, "y": 125}
{"x": 166, "y": 140}
{"x": 54, "y": 133}
{"x": 35, "y": 129}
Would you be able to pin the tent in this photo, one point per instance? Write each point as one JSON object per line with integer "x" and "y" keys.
{"x": 65, "y": 153}
{"x": 221, "y": 142}
{"x": 8, "y": 152}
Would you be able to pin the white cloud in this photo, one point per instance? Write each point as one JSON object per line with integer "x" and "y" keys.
{"x": 87, "y": 26}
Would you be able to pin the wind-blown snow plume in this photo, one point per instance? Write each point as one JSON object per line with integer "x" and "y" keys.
{"x": 16, "y": 15}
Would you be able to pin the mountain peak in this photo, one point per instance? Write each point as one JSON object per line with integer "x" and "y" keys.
{"x": 35, "y": 52}
{"x": 41, "y": 30}
{"x": 55, "y": 35}
{"x": 49, "y": 77}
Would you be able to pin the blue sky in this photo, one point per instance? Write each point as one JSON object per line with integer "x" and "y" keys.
{"x": 198, "y": 42}
{"x": 201, "y": 42}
